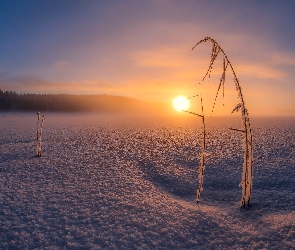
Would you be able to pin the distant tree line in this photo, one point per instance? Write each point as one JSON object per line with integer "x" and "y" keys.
{"x": 12, "y": 101}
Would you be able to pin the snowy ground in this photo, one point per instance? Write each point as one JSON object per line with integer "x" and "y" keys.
{"x": 130, "y": 183}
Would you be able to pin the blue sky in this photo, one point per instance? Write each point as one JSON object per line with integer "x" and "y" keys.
{"x": 142, "y": 49}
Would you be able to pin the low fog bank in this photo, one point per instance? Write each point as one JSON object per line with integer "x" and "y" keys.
{"x": 14, "y": 102}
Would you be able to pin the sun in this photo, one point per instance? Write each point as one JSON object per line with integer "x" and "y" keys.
{"x": 181, "y": 103}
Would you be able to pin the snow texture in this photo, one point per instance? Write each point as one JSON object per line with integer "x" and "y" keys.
{"x": 130, "y": 183}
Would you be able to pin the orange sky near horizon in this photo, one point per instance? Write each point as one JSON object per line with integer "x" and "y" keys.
{"x": 143, "y": 50}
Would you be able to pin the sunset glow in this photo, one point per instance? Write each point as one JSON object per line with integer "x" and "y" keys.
{"x": 181, "y": 103}
{"x": 138, "y": 49}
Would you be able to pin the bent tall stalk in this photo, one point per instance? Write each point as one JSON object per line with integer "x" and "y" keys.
{"x": 247, "y": 174}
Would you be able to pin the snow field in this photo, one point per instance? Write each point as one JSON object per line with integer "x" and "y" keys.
{"x": 118, "y": 183}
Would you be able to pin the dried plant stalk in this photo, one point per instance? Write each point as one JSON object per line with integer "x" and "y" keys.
{"x": 201, "y": 170}
{"x": 247, "y": 175}
{"x": 39, "y": 135}
{"x": 202, "y": 160}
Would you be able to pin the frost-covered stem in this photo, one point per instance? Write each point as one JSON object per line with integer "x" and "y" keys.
{"x": 202, "y": 160}
{"x": 249, "y": 158}
{"x": 247, "y": 174}
{"x": 201, "y": 169}
{"x": 37, "y": 136}
{"x": 250, "y": 168}
{"x": 40, "y": 136}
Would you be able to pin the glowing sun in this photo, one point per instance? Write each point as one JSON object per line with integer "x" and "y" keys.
{"x": 181, "y": 103}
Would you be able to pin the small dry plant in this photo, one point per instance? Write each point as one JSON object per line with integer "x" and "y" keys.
{"x": 247, "y": 174}
{"x": 202, "y": 158}
{"x": 39, "y": 134}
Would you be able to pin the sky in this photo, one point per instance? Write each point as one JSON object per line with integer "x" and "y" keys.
{"x": 142, "y": 49}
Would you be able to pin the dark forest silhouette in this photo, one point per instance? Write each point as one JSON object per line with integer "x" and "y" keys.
{"x": 12, "y": 101}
